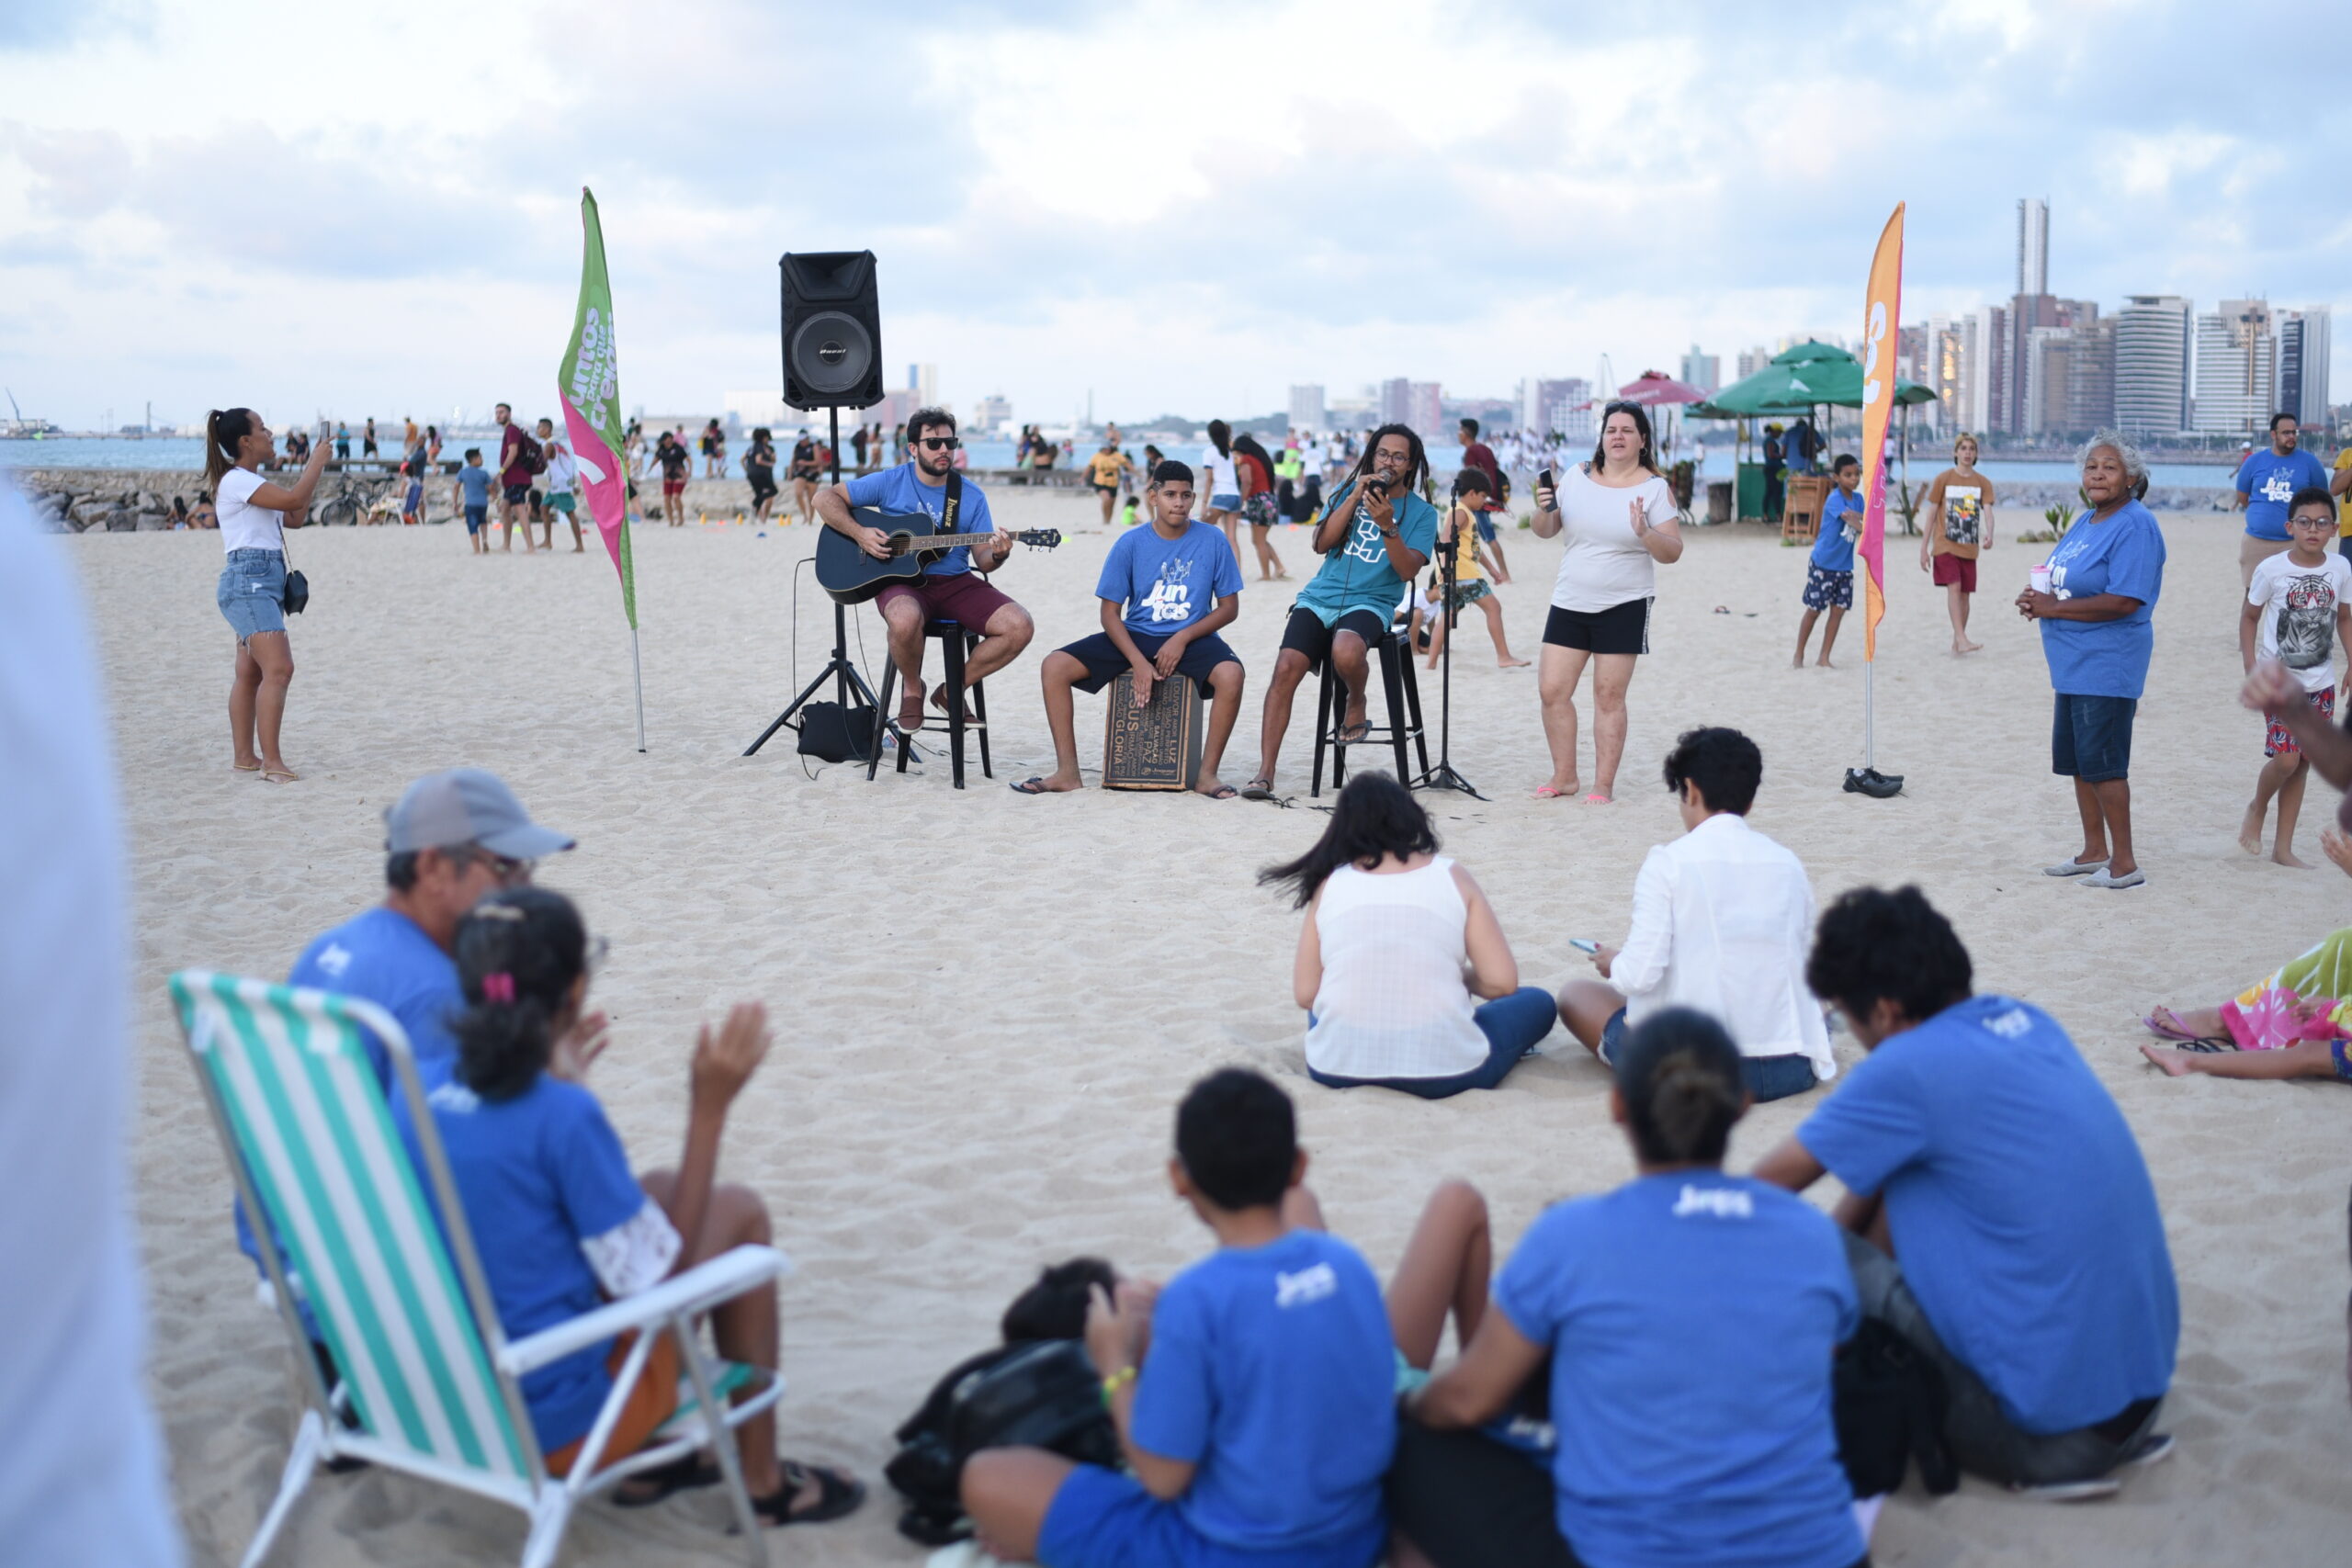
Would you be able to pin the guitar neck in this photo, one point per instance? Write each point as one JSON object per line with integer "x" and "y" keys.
{"x": 920, "y": 542}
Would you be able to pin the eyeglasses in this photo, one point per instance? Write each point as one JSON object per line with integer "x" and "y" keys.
{"x": 1620, "y": 407}
{"x": 506, "y": 871}
{"x": 939, "y": 442}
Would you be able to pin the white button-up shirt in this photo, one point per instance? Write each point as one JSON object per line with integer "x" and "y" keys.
{"x": 1721, "y": 921}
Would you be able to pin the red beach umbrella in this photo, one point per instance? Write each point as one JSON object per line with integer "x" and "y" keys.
{"x": 1653, "y": 388}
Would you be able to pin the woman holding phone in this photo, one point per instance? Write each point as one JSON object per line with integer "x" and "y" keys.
{"x": 254, "y": 513}
{"x": 1618, "y": 517}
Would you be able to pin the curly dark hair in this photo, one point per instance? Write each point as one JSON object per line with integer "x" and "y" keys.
{"x": 519, "y": 953}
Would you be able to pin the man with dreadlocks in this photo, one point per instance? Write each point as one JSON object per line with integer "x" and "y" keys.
{"x": 1375, "y": 534}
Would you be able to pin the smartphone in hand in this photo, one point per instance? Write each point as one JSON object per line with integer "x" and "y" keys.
{"x": 1584, "y": 944}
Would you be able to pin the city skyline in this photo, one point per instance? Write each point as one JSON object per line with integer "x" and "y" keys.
{"x": 399, "y": 239}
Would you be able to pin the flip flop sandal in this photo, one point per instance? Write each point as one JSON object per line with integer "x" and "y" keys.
{"x": 685, "y": 1474}
{"x": 1545, "y": 791}
{"x": 1260, "y": 788}
{"x": 1597, "y": 799}
{"x": 1356, "y": 734}
{"x": 1224, "y": 792}
{"x": 1034, "y": 785}
{"x": 244, "y": 767}
{"x": 2172, "y": 1031}
{"x": 280, "y": 775}
{"x": 838, "y": 1494}
{"x": 2207, "y": 1045}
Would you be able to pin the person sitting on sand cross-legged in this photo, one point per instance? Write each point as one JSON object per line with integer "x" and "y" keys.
{"x": 1254, "y": 1394}
{"x": 2295, "y": 1023}
{"x": 1721, "y": 919}
{"x": 1398, "y": 948}
{"x": 562, "y": 1226}
{"x": 2002, "y": 1220}
{"x": 1690, "y": 1318}
{"x": 1165, "y": 593}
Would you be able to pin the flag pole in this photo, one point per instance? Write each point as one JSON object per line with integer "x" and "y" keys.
{"x": 637, "y": 669}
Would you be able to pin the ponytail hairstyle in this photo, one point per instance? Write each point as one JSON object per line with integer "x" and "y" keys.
{"x": 1376, "y": 817}
{"x": 519, "y": 953}
{"x": 224, "y": 430}
{"x": 1679, "y": 1074}
{"x": 1221, "y": 438}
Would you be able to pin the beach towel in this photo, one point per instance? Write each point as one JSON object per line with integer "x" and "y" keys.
{"x": 2309, "y": 998}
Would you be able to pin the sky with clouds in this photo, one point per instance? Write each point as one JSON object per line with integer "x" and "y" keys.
{"x": 1170, "y": 207}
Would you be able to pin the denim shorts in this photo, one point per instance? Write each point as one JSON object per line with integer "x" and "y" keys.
{"x": 2090, "y": 737}
{"x": 253, "y": 592}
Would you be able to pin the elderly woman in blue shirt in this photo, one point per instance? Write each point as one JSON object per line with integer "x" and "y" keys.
{"x": 2097, "y": 616}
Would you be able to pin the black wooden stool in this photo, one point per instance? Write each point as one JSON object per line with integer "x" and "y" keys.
{"x": 1404, "y": 696}
{"x": 956, "y": 642}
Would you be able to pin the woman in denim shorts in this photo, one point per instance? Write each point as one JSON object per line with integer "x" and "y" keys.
{"x": 254, "y": 513}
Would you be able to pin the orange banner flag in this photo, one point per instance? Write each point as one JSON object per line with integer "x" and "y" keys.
{"x": 1882, "y": 316}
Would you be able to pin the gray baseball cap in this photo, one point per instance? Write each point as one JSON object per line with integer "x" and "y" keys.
{"x": 467, "y": 806}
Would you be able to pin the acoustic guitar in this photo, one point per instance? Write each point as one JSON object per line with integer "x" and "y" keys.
{"x": 853, "y": 577}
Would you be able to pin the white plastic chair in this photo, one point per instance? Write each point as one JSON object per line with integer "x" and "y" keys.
{"x": 430, "y": 1384}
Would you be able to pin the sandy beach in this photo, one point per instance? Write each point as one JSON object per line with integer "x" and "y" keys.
{"x": 986, "y": 1007}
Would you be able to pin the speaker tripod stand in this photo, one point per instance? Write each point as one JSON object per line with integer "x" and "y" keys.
{"x": 1443, "y": 775}
{"x": 847, "y": 678}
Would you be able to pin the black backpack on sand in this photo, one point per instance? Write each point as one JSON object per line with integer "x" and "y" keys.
{"x": 1043, "y": 1394}
{"x": 1889, "y": 1400}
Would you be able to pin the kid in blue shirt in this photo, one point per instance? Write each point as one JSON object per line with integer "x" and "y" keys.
{"x": 471, "y": 496}
{"x": 1829, "y": 575}
{"x": 1690, "y": 1319}
{"x": 1165, "y": 593}
{"x": 561, "y": 1224}
{"x": 1253, "y": 1396}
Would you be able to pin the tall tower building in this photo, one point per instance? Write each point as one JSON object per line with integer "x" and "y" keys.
{"x": 1396, "y": 400}
{"x": 1307, "y": 409}
{"x": 1703, "y": 371}
{"x": 2034, "y": 245}
{"x": 2302, "y": 363}
{"x": 1425, "y": 408}
{"x": 2152, "y": 362}
{"x": 2237, "y": 368}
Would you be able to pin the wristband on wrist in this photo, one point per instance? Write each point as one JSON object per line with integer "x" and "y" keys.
{"x": 1114, "y": 1382}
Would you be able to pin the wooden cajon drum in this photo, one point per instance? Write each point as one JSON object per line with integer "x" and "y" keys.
{"x": 1154, "y": 746}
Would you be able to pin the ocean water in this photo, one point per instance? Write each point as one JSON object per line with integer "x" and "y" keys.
{"x": 188, "y": 452}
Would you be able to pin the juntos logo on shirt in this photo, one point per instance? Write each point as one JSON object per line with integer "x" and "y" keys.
{"x": 2010, "y": 1025}
{"x": 1716, "y": 1202}
{"x": 1309, "y": 1285}
{"x": 335, "y": 959}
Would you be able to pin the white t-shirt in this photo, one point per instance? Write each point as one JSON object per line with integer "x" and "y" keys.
{"x": 1218, "y": 476}
{"x": 244, "y": 525}
{"x": 1605, "y": 565}
{"x": 2297, "y": 626}
{"x": 561, "y": 469}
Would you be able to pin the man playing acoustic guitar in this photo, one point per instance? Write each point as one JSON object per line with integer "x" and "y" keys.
{"x": 950, "y": 588}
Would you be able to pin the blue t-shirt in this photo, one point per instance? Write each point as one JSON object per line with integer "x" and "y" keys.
{"x": 1273, "y": 1371}
{"x": 898, "y": 490}
{"x": 2123, "y": 555}
{"x": 1167, "y": 585}
{"x": 475, "y": 479}
{"x": 1357, "y": 575}
{"x": 539, "y": 1174}
{"x": 2270, "y": 481}
{"x": 1692, "y": 1318}
{"x": 1832, "y": 551}
{"x": 2019, "y": 1207}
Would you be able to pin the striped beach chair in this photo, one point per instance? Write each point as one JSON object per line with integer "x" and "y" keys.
{"x": 429, "y": 1384}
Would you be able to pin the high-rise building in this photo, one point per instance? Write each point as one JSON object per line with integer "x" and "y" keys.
{"x": 2034, "y": 245}
{"x": 2302, "y": 363}
{"x": 2070, "y": 379}
{"x": 1396, "y": 400}
{"x": 1751, "y": 360}
{"x": 2152, "y": 361}
{"x": 1307, "y": 409}
{"x": 992, "y": 412}
{"x": 2237, "y": 368}
{"x": 1703, "y": 371}
{"x": 922, "y": 380}
{"x": 1984, "y": 370}
{"x": 1942, "y": 367}
{"x": 1542, "y": 398}
{"x": 1573, "y": 415}
{"x": 1425, "y": 408}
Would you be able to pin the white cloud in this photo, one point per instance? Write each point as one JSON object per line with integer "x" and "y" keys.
{"x": 1182, "y": 207}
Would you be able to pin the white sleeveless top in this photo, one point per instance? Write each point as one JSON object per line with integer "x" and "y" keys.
{"x": 1392, "y": 1003}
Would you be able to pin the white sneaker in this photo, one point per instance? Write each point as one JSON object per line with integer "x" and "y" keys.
{"x": 2132, "y": 878}
{"x": 2073, "y": 867}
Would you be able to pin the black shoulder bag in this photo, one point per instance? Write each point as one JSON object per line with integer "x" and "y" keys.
{"x": 297, "y": 587}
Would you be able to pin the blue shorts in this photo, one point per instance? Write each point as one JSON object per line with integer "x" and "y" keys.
{"x": 1826, "y": 589}
{"x": 1105, "y": 662}
{"x": 1102, "y": 1519}
{"x": 2343, "y": 1068}
{"x": 253, "y": 592}
{"x": 475, "y": 517}
{"x": 2090, "y": 737}
{"x": 1766, "y": 1078}
{"x": 1225, "y": 502}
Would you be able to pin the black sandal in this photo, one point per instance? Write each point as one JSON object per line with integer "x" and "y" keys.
{"x": 839, "y": 1493}
{"x": 664, "y": 1481}
{"x": 2207, "y": 1045}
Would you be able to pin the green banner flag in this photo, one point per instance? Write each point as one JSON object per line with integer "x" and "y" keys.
{"x": 590, "y": 386}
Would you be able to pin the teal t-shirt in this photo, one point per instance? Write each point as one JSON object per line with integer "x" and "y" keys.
{"x": 1357, "y": 576}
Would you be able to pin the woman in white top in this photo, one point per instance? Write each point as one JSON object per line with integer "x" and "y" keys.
{"x": 254, "y": 513}
{"x": 1221, "y": 485}
{"x": 1619, "y": 515}
{"x": 1397, "y": 945}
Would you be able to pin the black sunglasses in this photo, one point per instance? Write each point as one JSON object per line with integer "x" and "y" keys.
{"x": 939, "y": 442}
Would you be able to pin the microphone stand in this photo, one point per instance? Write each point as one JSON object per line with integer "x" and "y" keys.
{"x": 1442, "y": 773}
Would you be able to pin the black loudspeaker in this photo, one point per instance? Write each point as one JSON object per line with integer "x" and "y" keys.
{"x": 832, "y": 330}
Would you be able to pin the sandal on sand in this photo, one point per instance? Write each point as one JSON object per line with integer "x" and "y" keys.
{"x": 1355, "y": 734}
{"x": 244, "y": 767}
{"x": 2164, "y": 1024}
{"x": 1221, "y": 792}
{"x": 1545, "y": 791}
{"x": 280, "y": 775}
{"x": 839, "y": 1493}
{"x": 1597, "y": 799}
{"x": 685, "y": 1474}
{"x": 1260, "y": 788}
{"x": 1034, "y": 785}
